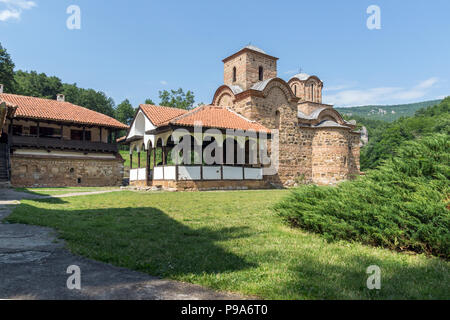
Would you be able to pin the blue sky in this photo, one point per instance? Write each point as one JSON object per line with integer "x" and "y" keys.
{"x": 133, "y": 49}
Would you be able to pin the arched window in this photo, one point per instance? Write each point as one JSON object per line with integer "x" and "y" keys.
{"x": 234, "y": 74}
{"x": 261, "y": 73}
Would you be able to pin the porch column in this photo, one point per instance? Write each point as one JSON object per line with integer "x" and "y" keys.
{"x": 139, "y": 159}
{"x": 163, "y": 155}
{"x": 154, "y": 157}
{"x": 84, "y": 133}
{"x": 147, "y": 166}
{"x": 101, "y": 137}
{"x": 38, "y": 129}
{"x": 62, "y": 132}
{"x": 131, "y": 160}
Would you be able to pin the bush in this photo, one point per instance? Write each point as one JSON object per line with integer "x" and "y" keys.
{"x": 402, "y": 205}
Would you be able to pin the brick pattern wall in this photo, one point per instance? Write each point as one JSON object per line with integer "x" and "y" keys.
{"x": 247, "y": 69}
{"x": 306, "y": 155}
{"x": 35, "y": 171}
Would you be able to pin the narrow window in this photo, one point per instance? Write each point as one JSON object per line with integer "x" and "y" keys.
{"x": 312, "y": 92}
{"x": 234, "y": 74}
{"x": 277, "y": 119}
{"x": 295, "y": 90}
{"x": 261, "y": 73}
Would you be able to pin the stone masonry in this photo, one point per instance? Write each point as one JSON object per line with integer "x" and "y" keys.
{"x": 315, "y": 144}
{"x": 35, "y": 171}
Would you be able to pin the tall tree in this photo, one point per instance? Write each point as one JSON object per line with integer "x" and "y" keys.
{"x": 37, "y": 85}
{"x": 125, "y": 112}
{"x": 177, "y": 99}
{"x": 6, "y": 70}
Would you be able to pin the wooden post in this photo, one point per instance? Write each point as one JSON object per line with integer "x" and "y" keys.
{"x": 38, "y": 133}
{"x": 131, "y": 160}
{"x": 139, "y": 159}
{"x": 147, "y": 167}
{"x": 101, "y": 137}
{"x": 84, "y": 133}
{"x": 62, "y": 132}
{"x": 164, "y": 155}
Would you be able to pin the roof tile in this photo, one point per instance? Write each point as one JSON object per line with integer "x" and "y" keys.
{"x": 159, "y": 115}
{"x": 45, "y": 109}
{"x": 217, "y": 117}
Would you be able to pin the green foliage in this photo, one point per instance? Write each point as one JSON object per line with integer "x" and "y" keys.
{"x": 177, "y": 99}
{"x": 37, "y": 85}
{"x": 149, "y": 101}
{"x": 384, "y": 139}
{"x": 43, "y": 86}
{"x": 401, "y": 205}
{"x": 125, "y": 112}
{"x": 386, "y": 113}
{"x": 6, "y": 70}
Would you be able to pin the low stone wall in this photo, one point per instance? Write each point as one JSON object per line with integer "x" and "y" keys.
{"x": 39, "y": 171}
{"x": 205, "y": 185}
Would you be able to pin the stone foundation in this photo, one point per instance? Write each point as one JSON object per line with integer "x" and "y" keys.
{"x": 40, "y": 171}
{"x": 205, "y": 185}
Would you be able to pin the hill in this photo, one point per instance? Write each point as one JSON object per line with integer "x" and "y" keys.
{"x": 388, "y": 113}
{"x": 385, "y": 137}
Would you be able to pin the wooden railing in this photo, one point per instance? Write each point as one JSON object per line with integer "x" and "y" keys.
{"x": 48, "y": 143}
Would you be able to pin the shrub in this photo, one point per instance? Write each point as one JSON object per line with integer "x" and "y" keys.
{"x": 402, "y": 205}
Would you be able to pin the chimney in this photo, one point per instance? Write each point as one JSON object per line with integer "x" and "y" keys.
{"x": 1, "y": 88}
{"x": 60, "y": 98}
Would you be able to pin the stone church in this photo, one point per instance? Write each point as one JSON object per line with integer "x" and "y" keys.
{"x": 316, "y": 145}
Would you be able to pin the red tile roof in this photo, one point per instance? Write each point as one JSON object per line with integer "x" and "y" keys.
{"x": 159, "y": 114}
{"x": 217, "y": 117}
{"x": 45, "y": 109}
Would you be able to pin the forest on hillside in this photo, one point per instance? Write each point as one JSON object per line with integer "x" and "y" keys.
{"x": 387, "y": 113}
{"x": 385, "y": 137}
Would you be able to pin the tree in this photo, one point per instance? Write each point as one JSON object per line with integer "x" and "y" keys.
{"x": 177, "y": 99}
{"x": 149, "y": 101}
{"x": 6, "y": 70}
{"x": 37, "y": 85}
{"x": 125, "y": 112}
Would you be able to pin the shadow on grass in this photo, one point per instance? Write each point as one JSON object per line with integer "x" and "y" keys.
{"x": 144, "y": 239}
{"x": 336, "y": 280}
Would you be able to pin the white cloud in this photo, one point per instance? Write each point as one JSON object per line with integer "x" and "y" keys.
{"x": 14, "y": 8}
{"x": 381, "y": 95}
{"x": 163, "y": 82}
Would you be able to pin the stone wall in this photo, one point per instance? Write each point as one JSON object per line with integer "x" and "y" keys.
{"x": 306, "y": 154}
{"x": 39, "y": 171}
{"x": 204, "y": 185}
{"x": 247, "y": 69}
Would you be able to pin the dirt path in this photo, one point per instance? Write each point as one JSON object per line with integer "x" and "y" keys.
{"x": 33, "y": 265}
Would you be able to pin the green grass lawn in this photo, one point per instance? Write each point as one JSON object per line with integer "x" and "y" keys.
{"x": 63, "y": 190}
{"x": 230, "y": 241}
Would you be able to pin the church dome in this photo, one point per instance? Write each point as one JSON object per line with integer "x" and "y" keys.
{"x": 301, "y": 76}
